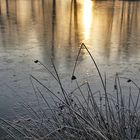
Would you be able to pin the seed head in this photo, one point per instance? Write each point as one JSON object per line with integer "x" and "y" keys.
{"x": 129, "y": 80}
{"x": 73, "y": 77}
{"x": 36, "y": 61}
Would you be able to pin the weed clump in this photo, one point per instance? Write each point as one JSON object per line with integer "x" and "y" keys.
{"x": 80, "y": 114}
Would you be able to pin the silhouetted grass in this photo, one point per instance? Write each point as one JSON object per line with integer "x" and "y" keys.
{"x": 80, "y": 114}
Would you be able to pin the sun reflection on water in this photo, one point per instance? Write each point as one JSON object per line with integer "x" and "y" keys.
{"x": 87, "y": 17}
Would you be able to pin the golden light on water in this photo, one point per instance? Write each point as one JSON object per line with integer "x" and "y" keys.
{"x": 23, "y": 11}
{"x": 87, "y": 17}
{"x": 88, "y": 21}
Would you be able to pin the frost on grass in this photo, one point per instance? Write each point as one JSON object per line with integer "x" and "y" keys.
{"x": 80, "y": 114}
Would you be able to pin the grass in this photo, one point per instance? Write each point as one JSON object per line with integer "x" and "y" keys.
{"x": 80, "y": 114}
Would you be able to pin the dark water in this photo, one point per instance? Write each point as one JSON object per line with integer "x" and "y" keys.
{"x": 44, "y": 29}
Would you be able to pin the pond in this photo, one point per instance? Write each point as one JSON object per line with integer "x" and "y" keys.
{"x": 54, "y": 29}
